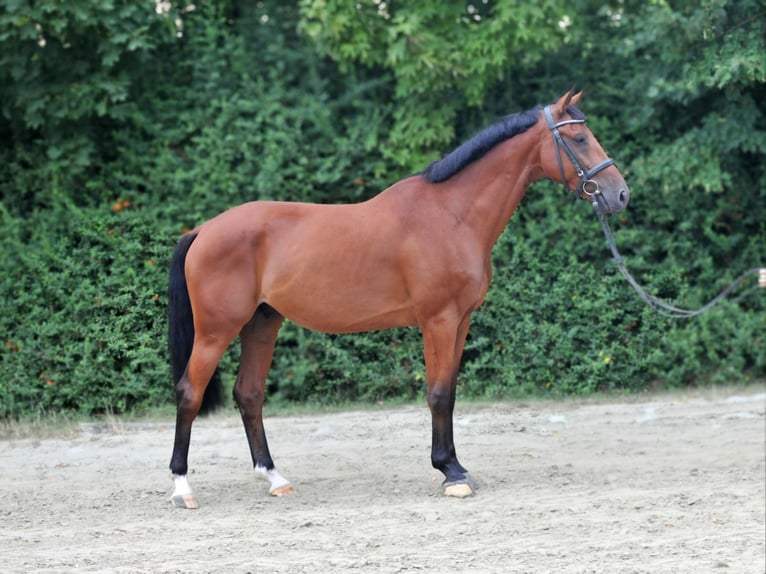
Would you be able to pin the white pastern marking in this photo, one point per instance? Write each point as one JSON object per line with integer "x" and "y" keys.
{"x": 275, "y": 479}
{"x": 182, "y": 486}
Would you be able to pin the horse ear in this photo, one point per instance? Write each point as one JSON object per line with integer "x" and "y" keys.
{"x": 576, "y": 99}
{"x": 561, "y": 105}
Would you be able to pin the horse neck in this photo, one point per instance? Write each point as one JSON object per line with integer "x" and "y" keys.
{"x": 486, "y": 193}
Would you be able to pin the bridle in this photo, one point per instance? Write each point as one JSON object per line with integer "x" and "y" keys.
{"x": 588, "y": 187}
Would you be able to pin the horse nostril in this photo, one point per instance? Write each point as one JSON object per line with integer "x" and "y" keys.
{"x": 622, "y": 196}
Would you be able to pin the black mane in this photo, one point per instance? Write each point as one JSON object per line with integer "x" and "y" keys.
{"x": 485, "y": 140}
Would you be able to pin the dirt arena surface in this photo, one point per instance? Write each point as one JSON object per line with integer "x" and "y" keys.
{"x": 658, "y": 484}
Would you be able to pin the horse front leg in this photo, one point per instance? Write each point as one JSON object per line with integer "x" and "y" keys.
{"x": 258, "y": 338}
{"x": 443, "y": 342}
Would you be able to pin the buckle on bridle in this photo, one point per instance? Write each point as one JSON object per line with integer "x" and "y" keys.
{"x": 589, "y": 188}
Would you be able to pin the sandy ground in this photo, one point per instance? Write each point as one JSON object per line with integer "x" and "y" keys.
{"x": 659, "y": 484}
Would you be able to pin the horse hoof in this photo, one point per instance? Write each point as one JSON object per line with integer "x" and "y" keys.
{"x": 285, "y": 490}
{"x": 278, "y": 484}
{"x": 185, "y": 501}
{"x": 458, "y": 490}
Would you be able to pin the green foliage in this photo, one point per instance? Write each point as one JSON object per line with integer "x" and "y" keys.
{"x": 123, "y": 123}
{"x": 331, "y": 369}
{"x": 279, "y": 126}
{"x": 442, "y": 56}
{"x": 84, "y": 325}
{"x": 67, "y": 74}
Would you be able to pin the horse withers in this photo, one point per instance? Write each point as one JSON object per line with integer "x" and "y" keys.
{"x": 417, "y": 254}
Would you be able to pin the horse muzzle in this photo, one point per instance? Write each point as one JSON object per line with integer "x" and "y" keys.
{"x": 611, "y": 199}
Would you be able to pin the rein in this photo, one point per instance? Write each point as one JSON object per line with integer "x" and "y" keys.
{"x": 588, "y": 189}
{"x": 661, "y": 307}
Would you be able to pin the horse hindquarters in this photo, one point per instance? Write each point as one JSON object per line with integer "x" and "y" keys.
{"x": 197, "y": 389}
{"x": 213, "y": 298}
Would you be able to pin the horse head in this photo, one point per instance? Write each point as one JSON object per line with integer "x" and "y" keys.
{"x": 587, "y": 169}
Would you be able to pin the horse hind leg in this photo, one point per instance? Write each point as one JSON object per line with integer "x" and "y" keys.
{"x": 190, "y": 391}
{"x": 258, "y": 337}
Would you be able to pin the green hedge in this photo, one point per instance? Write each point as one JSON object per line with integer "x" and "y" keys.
{"x": 84, "y": 319}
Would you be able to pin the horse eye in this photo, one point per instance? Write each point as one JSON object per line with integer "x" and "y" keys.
{"x": 580, "y": 138}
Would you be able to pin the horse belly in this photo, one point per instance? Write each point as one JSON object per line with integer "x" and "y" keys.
{"x": 337, "y": 300}
{"x": 348, "y": 319}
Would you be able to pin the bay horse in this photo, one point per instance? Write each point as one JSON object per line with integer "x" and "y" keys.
{"x": 417, "y": 254}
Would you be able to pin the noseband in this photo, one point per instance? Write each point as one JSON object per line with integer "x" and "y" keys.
{"x": 588, "y": 187}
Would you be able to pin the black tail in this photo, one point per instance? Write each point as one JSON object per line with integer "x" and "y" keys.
{"x": 181, "y": 325}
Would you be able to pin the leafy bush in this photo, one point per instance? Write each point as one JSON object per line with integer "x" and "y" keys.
{"x": 85, "y": 322}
